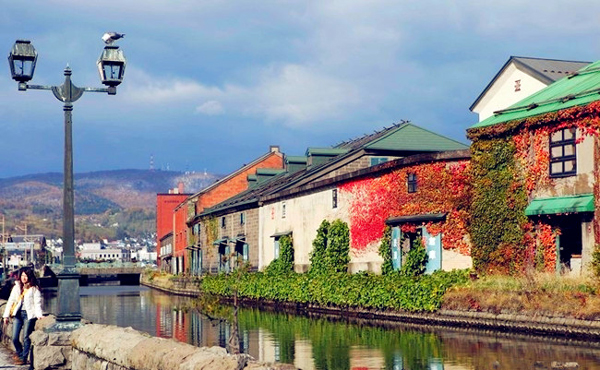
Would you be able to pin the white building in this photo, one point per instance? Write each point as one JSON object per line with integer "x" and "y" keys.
{"x": 519, "y": 78}
{"x": 105, "y": 254}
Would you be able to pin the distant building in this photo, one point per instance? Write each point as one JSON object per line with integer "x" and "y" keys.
{"x": 25, "y": 249}
{"x": 105, "y": 254}
{"x": 165, "y": 204}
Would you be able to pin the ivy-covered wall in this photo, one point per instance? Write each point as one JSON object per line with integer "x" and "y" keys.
{"x": 442, "y": 187}
{"x": 510, "y": 167}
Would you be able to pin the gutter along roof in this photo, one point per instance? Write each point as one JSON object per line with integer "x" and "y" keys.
{"x": 578, "y": 89}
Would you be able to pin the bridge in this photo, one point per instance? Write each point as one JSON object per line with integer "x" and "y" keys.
{"x": 127, "y": 273}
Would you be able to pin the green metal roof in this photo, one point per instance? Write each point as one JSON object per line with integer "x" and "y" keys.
{"x": 413, "y": 138}
{"x": 578, "y": 89}
{"x": 326, "y": 151}
{"x": 296, "y": 159}
{"x": 556, "y": 205}
{"x": 269, "y": 171}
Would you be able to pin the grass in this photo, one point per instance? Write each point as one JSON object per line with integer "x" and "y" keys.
{"x": 536, "y": 294}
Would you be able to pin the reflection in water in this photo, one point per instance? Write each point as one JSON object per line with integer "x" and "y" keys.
{"x": 316, "y": 343}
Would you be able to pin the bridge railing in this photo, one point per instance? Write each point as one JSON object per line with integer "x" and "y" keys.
{"x": 101, "y": 265}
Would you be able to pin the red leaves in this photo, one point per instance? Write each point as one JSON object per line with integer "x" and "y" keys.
{"x": 441, "y": 188}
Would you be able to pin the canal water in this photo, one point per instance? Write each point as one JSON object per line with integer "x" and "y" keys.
{"x": 321, "y": 344}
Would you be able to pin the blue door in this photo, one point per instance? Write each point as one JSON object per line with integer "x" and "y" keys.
{"x": 396, "y": 255}
{"x": 433, "y": 245}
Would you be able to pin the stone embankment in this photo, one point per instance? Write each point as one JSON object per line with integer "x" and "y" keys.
{"x": 109, "y": 347}
{"x": 558, "y": 327}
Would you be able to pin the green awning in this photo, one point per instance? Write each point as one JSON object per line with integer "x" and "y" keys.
{"x": 280, "y": 234}
{"x": 556, "y": 205}
{"x": 221, "y": 241}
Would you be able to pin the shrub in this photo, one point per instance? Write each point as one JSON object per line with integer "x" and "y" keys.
{"x": 285, "y": 263}
{"x": 337, "y": 253}
{"x": 416, "y": 260}
{"x": 317, "y": 255}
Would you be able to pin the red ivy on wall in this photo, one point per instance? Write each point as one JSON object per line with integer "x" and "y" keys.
{"x": 441, "y": 188}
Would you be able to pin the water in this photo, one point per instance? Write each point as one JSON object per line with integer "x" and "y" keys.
{"x": 320, "y": 344}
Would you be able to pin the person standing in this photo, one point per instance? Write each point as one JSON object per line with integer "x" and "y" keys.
{"x": 25, "y": 307}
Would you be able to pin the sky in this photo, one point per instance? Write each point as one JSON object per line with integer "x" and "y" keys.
{"x": 210, "y": 85}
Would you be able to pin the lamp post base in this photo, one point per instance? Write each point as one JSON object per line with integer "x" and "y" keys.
{"x": 68, "y": 315}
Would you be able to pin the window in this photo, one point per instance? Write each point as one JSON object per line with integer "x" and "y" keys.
{"x": 517, "y": 85}
{"x": 334, "y": 198}
{"x": 563, "y": 161}
{"x": 377, "y": 160}
{"x": 283, "y": 210}
{"x": 223, "y": 222}
{"x": 412, "y": 182}
{"x": 242, "y": 218}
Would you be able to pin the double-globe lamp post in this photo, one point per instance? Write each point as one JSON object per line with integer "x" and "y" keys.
{"x": 111, "y": 65}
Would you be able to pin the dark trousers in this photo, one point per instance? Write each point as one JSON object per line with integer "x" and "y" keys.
{"x": 21, "y": 322}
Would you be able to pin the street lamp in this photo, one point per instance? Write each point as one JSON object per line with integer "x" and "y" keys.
{"x": 111, "y": 65}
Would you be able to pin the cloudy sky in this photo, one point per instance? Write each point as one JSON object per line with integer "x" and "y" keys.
{"x": 211, "y": 84}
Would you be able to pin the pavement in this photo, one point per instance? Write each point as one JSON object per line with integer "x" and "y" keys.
{"x": 6, "y": 361}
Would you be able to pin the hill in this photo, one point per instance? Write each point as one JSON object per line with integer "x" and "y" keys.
{"x": 108, "y": 204}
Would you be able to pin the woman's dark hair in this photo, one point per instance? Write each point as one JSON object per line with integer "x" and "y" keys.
{"x": 31, "y": 278}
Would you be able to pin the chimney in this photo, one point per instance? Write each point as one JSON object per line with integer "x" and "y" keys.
{"x": 274, "y": 148}
{"x": 180, "y": 187}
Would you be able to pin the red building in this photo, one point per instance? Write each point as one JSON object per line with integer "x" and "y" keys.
{"x": 184, "y": 238}
{"x": 165, "y": 205}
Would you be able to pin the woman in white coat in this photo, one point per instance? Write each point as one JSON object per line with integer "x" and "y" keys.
{"x": 25, "y": 307}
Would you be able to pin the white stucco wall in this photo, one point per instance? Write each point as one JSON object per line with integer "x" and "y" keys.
{"x": 502, "y": 93}
{"x": 303, "y": 216}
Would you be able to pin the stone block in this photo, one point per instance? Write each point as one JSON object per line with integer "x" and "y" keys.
{"x": 39, "y": 338}
{"x": 108, "y": 342}
{"x": 159, "y": 353}
{"x": 209, "y": 359}
{"x": 48, "y": 357}
{"x": 45, "y": 322}
{"x": 255, "y": 365}
{"x": 59, "y": 339}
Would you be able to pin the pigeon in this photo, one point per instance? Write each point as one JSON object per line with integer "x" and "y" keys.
{"x": 111, "y": 37}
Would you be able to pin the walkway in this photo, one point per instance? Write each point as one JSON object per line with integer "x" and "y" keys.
{"x": 6, "y": 361}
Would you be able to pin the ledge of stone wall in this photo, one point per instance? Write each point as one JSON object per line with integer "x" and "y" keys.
{"x": 187, "y": 286}
{"x": 111, "y": 347}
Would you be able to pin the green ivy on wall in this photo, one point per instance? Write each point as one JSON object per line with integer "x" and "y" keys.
{"x": 285, "y": 262}
{"x": 385, "y": 251}
{"x": 337, "y": 254}
{"x": 317, "y": 255}
{"x": 498, "y": 221}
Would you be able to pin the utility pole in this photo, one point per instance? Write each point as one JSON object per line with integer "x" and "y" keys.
{"x": 3, "y": 251}
{"x": 25, "y": 240}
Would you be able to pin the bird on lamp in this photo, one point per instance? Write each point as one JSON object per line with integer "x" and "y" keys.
{"x": 110, "y": 37}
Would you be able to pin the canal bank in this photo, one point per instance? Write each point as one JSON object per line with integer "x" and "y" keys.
{"x": 566, "y": 328}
